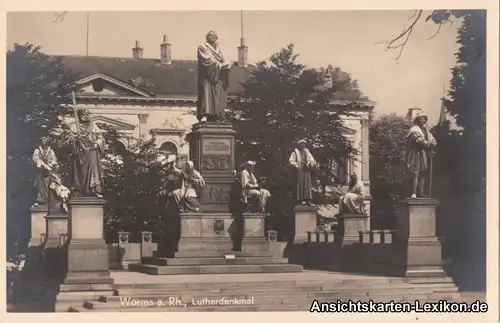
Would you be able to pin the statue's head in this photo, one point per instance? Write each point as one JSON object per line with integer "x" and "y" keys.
{"x": 189, "y": 166}
{"x": 302, "y": 144}
{"x": 44, "y": 141}
{"x": 250, "y": 165}
{"x": 353, "y": 180}
{"x": 420, "y": 120}
{"x": 83, "y": 116}
{"x": 212, "y": 37}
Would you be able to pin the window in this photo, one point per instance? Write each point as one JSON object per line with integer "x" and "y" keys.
{"x": 168, "y": 148}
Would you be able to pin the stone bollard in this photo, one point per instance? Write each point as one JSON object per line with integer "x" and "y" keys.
{"x": 147, "y": 246}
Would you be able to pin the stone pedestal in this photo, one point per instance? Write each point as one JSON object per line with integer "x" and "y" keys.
{"x": 420, "y": 249}
{"x": 254, "y": 235}
{"x": 352, "y": 223}
{"x": 38, "y": 225}
{"x": 305, "y": 220}
{"x": 54, "y": 251}
{"x": 207, "y": 231}
{"x": 212, "y": 151}
{"x": 88, "y": 259}
{"x": 34, "y": 255}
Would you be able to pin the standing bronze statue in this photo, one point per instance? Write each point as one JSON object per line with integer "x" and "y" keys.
{"x": 45, "y": 161}
{"x": 419, "y": 150}
{"x": 88, "y": 149}
{"x": 303, "y": 162}
{"x": 213, "y": 74}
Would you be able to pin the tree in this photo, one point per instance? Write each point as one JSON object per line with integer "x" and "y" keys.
{"x": 387, "y": 159}
{"x": 36, "y": 100}
{"x": 132, "y": 181}
{"x": 281, "y": 103}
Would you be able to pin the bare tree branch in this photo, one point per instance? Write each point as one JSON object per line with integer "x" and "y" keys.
{"x": 437, "y": 31}
{"x": 59, "y": 16}
{"x": 400, "y": 41}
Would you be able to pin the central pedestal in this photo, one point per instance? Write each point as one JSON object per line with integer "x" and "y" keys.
{"x": 212, "y": 151}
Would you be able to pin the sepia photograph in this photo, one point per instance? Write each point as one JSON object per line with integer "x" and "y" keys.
{"x": 246, "y": 161}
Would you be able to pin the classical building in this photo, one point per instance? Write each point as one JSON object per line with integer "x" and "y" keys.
{"x": 156, "y": 97}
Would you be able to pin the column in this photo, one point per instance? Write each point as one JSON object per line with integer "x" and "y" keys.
{"x": 143, "y": 126}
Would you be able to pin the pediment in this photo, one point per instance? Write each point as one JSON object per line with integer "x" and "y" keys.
{"x": 104, "y": 85}
{"x": 118, "y": 125}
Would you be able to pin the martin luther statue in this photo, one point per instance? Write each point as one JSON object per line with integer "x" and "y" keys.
{"x": 213, "y": 72}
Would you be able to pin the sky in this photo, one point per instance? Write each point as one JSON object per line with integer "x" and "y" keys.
{"x": 347, "y": 39}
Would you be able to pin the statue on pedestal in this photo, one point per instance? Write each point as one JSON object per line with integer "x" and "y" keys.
{"x": 303, "y": 162}
{"x": 191, "y": 184}
{"x": 419, "y": 150}
{"x": 213, "y": 73}
{"x": 172, "y": 181}
{"x": 87, "y": 148}
{"x": 252, "y": 189}
{"x": 353, "y": 200}
{"x": 48, "y": 183}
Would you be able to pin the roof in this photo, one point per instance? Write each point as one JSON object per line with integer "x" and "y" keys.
{"x": 177, "y": 79}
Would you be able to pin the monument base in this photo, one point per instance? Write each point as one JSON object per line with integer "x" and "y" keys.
{"x": 88, "y": 259}
{"x": 420, "y": 251}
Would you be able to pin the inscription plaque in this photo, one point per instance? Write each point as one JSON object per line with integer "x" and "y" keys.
{"x": 217, "y": 194}
{"x": 216, "y": 146}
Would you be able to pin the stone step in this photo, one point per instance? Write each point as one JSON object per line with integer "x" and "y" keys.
{"x": 219, "y": 287}
{"x": 213, "y": 261}
{"x": 408, "y": 294}
{"x": 270, "y": 304}
{"x": 248, "y": 308}
{"x": 216, "y": 254}
{"x": 216, "y": 269}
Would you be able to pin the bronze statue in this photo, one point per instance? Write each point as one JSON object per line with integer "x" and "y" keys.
{"x": 213, "y": 73}
{"x": 252, "y": 189}
{"x": 419, "y": 149}
{"x": 48, "y": 183}
{"x": 191, "y": 184}
{"x": 88, "y": 149}
{"x": 303, "y": 162}
{"x": 353, "y": 200}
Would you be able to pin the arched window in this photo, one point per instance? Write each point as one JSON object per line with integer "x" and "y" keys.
{"x": 168, "y": 148}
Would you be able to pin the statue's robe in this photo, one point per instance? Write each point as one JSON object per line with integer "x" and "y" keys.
{"x": 191, "y": 184}
{"x": 212, "y": 82}
{"x": 248, "y": 183}
{"x": 87, "y": 166}
{"x": 419, "y": 142}
{"x": 303, "y": 163}
{"x": 354, "y": 200}
{"x": 42, "y": 158}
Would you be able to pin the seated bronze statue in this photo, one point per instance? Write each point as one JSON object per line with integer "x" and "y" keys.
{"x": 246, "y": 192}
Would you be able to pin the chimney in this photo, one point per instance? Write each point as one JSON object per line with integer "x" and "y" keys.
{"x": 137, "y": 50}
{"x": 242, "y": 54}
{"x": 166, "y": 51}
{"x": 413, "y": 113}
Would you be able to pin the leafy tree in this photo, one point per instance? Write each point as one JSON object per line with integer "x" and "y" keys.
{"x": 281, "y": 103}
{"x": 36, "y": 98}
{"x": 132, "y": 181}
{"x": 387, "y": 159}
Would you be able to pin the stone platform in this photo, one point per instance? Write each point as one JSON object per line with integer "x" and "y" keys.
{"x": 255, "y": 292}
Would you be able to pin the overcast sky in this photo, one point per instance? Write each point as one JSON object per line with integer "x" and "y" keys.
{"x": 342, "y": 38}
